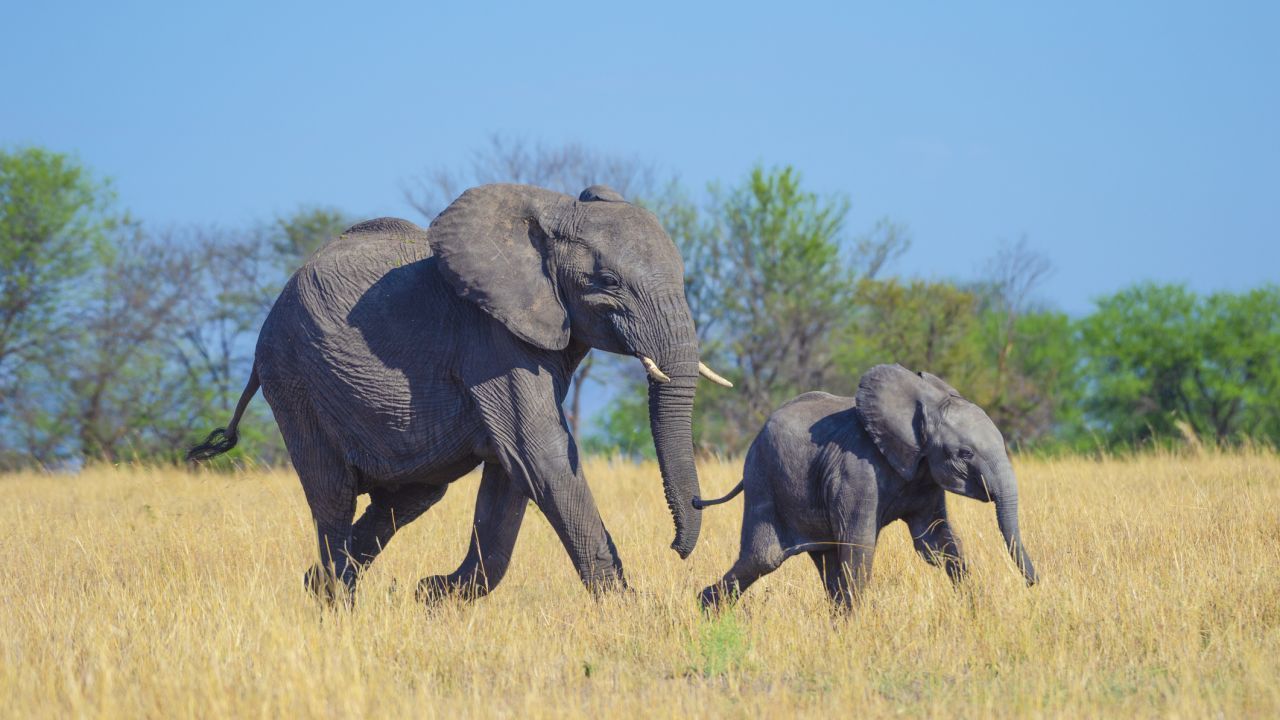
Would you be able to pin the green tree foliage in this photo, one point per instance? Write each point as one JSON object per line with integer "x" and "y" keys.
{"x": 119, "y": 342}
{"x": 1021, "y": 367}
{"x": 54, "y": 216}
{"x": 1029, "y": 378}
{"x": 122, "y": 343}
{"x": 295, "y": 237}
{"x": 623, "y": 427}
{"x": 1159, "y": 355}
{"x": 920, "y": 324}
{"x": 771, "y": 292}
{"x": 783, "y": 291}
{"x": 785, "y": 304}
{"x": 54, "y": 221}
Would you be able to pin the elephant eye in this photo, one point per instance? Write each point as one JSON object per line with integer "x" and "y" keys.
{"x": 607, "y": 280}
{"x": 964, "y": 454}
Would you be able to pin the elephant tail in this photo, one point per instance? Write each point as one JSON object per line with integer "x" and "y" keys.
{"x": 223, "y": 439}
{"x": 699, "y": 503}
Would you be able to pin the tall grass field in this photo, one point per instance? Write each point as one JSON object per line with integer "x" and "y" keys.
{"x": 162, "y": 593}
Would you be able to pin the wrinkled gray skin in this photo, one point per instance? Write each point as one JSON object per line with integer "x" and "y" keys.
{"x": 397, "y": 360}
{"x": 827, "y": 473}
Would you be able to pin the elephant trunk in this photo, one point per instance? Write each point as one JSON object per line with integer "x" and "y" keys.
{"x": 671, "y": 421}
{"x": 1007, "y": 516}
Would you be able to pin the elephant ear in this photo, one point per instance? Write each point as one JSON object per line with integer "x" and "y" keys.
{"x": 890, "y": 403}
{"x": 600, "y": 193}
{"x": 493, "y": 244}
{"x": 939, "y": 383}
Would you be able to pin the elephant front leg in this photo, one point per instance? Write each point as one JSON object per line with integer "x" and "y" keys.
{"x": 936, "y": 542}
{"x": 562, "y": 494}
{"x": 531, "y": 440}
{"x": 829, "y": 569}
{"x": 500, "y": 507}
{"x": 848, "y": 579}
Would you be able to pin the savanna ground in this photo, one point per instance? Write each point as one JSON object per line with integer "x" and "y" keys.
{"x": 133, "y": 592}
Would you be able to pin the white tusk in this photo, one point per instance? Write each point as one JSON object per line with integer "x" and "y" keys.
{"x": 651, "y": 367}
{"x": 712, "y": 375}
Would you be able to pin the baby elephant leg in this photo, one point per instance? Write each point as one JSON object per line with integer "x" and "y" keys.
{"x": 735, "y": 582}
{"x": 760, "y": 555}
{"x": 846, "y": 570}
{"x": 936, "y": 542}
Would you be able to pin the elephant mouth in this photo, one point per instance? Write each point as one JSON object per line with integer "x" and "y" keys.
{"x": 981, "y": 490}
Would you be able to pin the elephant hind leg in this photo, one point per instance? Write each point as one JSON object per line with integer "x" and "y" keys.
{"x": 736, "y": 581}
{"x": 388, "y": 511}
{"x": 332, "y": 509}
{"x": 500, "y": 507}
{"x": 761, "y": 553}
{"x": 330, "y": 488}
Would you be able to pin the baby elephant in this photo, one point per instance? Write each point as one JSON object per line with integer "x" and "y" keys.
{"x": 827, "y": 473}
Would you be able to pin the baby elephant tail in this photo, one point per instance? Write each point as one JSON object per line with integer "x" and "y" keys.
{"x": 699, "y": 503}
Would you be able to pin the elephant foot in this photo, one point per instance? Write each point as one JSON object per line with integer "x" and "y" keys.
{"x": 327, "y": 589}
{"x": 436, "y": 589}
{"x": 958, "y": 572}
{"x": 841, "y": 605}
{"x": 715, "y": 598}
{"x": 607, "y": 583}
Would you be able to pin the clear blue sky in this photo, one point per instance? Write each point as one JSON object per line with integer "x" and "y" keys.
{"x": 1128, "y": 141}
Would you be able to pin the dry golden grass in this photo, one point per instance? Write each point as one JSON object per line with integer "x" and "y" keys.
{"x": 136, "y": 593}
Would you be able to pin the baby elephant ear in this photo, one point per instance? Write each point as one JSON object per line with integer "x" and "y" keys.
{"x": 492, "y": 244}
{"x": 939, "y": 383}
{"x": 890, "y": 403}
{"x": 600, "y": 193}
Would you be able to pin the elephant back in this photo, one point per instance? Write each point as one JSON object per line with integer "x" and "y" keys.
{"x": 374, "y": 263}
{"x": 392, "y": 228}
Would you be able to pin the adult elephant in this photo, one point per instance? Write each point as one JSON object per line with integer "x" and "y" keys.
{"x": 396, "y": 360}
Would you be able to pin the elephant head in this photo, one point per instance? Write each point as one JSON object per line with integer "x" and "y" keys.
{"x": 925, "y": 428}
{"x": 598, "y": 271}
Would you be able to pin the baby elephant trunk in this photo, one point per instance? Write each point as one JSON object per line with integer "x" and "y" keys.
{"x": 1007, "y": 517}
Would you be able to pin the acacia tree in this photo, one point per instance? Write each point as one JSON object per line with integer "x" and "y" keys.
{"x": 567, "y": 168}
{"x": 1012, "y": 277}
{"x": 149, "y": 341}
{"x": 240, "y": 276}
{"x": 238, "y": 273}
